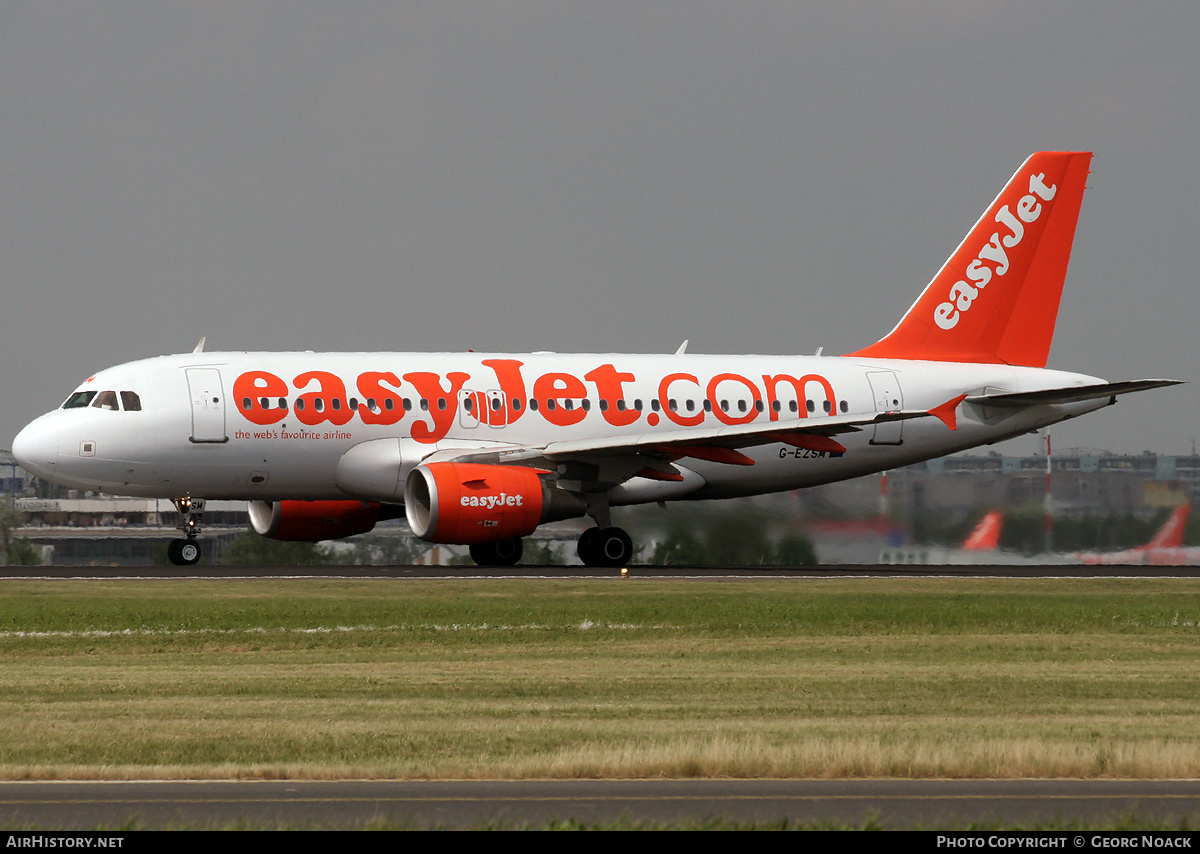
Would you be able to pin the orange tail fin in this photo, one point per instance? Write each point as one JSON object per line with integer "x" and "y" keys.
{"x": 986, "y": 535}
{"x": 995, "y": 300}
{"x": 1170, "y": 536}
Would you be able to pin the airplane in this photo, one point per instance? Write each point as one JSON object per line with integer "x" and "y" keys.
{"x": 981, "y": 547}
{"x": 481, "y": 449}
{"x": 1165, "y": 549}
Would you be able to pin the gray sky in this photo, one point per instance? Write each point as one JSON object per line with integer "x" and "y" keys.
{"x": 606, "y": 176}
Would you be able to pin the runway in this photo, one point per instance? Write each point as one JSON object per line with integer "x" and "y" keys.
{"x": 928, "y": 804}
{"x": 466, "y": 572}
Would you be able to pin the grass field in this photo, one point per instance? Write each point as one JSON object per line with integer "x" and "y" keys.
{"x": 614, "y": 678}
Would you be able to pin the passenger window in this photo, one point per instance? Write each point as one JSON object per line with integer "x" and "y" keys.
{"x": 130, "y": 402}
{"x": 79, "y": 400}
{"x": 106, "y": 400}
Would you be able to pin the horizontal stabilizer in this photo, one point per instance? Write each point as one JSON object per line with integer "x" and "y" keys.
{"x": 1070, "y": 394}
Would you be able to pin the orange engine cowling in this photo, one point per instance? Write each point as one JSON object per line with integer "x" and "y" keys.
{"x": 469, "y": 503}
{"x": 312, "y": 521}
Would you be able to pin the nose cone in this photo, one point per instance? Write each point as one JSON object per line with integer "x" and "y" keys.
{"x": 36, "y": 448}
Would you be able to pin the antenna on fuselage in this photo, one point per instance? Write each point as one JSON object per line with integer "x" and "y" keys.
{"x": 682, "y": 348}
{"x": 200, "y": 345}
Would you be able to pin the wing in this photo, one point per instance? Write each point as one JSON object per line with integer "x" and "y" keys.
{"x": 650, "y": 454}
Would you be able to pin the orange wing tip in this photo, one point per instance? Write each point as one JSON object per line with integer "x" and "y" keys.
{"x": 946, "y": 413}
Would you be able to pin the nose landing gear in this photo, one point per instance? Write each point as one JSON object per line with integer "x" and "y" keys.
{"x": 186, "y": 552}
{"x": 183, "y": 552}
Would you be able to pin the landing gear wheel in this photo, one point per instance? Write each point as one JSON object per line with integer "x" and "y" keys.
{"x": 499, "y": 553}
{"x": 605, "y": 547}
{"x": 183, "y": 552}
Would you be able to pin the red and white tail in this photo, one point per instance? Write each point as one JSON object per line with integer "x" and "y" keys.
{"x": 1170, "y": 535}
{"x": 986, "y": 536}
{"x": 995, "y": 300}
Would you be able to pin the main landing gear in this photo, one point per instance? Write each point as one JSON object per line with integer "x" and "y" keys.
{"x": 605, "y": 547}
{"x": 186, "y": 552}
{"x": 597, "y": 547}
{"x": 499, "y": 553}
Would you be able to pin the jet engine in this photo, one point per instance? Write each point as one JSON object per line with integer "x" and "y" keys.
{"x": 312, "y": 521}
{"x": 470, "y": 503}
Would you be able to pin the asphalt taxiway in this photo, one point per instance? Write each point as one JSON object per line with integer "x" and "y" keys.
{"x": 420, "y": 804}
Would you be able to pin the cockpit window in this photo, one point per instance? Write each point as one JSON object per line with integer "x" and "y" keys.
{"x": 130, "y": 401}
{"x": 79, "y": 400}
{"x": 105, "y": 400}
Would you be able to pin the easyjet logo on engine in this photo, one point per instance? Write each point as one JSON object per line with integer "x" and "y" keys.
{"x": 992, "y": 259}
{"x": 492, "y": 501}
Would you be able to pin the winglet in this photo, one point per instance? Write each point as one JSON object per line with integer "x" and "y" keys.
{"x": 946, "y": 411}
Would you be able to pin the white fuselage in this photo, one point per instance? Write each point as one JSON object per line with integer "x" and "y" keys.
{"x": 272, "y": 426}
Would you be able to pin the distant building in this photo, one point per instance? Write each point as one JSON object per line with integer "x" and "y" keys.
{"x": 1083, "y": 482}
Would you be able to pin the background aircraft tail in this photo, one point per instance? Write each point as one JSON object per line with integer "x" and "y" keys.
{"x": 1170, "y": 536}
{"x": 986, "y": 536}
{"x": 995, "y": 300}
